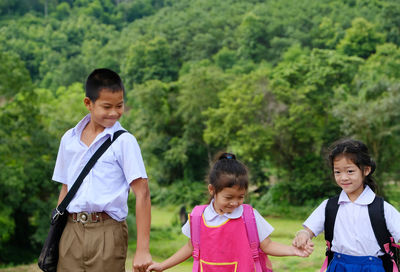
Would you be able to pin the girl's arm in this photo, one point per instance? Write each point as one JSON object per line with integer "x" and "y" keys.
{"x": 180, "y": 256}
{"x": 302, "y": 237}
{"x": 277, "y": 249}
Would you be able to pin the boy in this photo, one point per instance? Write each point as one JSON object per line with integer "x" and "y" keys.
{"x": 96, "y": 237}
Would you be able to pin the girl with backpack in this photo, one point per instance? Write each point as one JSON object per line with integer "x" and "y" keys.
{"x": 354, "y": 222}
{"x": 222, "y": 232}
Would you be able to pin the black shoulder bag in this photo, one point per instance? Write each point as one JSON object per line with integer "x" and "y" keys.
{"x": 48, "y": 258}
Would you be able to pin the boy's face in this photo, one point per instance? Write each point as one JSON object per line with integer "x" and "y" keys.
{"x": 107, "y": 109}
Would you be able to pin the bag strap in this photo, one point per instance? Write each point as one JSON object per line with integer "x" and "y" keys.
{"x": 67, "y": 199}
{"x": 377, "y": 216}
{"x": 331, "y": 209}
{"x": 385, "y": 240}
{"x": 252, "y": 234}
{"x": 195, "y": 225}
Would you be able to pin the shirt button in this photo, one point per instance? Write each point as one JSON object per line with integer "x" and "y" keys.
{"x": 370, "y": 258}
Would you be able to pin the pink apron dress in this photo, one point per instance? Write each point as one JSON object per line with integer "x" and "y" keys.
{"x": 225, "y": 248}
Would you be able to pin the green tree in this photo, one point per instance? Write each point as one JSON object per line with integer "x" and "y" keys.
{"x": 360, "y": 39}
{"x": 306, "y": 87}
{"x": 152, "y": 119}
{"x": 27, "y": 195}
{"x": 13, "y": 75}
{"x": 243, "y": 120}
{"x": 369, "y": 111}
{"x": 147, "y": 61}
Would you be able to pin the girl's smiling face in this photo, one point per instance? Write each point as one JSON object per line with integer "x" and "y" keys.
{"x": 227, "y": 199}
{"x": 349, "y": 177}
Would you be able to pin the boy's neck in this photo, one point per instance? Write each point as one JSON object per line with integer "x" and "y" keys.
{"x": 90, "y": 132}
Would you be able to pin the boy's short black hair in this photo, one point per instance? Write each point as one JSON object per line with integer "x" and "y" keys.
{"x": 100, "y": 79}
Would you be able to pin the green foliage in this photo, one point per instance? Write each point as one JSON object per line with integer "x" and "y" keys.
{"x": 182, "y": 192}
{"x": 148, "y": 61}
{"x": 273, "y": 81}
{"x": 361, "y": 39}
{"x": 369, "y": 111}
{"x": 13, "y": 75}
{"x": 28, "y": 157}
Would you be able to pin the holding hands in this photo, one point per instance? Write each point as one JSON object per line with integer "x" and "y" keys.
{"x": 305, "y": 250}
{"x": 302, "y": 242}
{"x": 155, "y": 267}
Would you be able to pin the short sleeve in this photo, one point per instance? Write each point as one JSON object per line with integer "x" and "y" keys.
{"x": 392, "y": 217}
{"x": 315, "y": 222}
{"x": 60, "y": 173}
{"x": 264, "y": 229}
{"x": 130, "y": 158}
{"x": 186, "y": 229}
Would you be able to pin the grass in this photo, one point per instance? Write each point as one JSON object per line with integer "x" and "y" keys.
{"x": 166, "y": 238}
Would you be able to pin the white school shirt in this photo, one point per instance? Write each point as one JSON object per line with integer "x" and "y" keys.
{"x": 353, "y": 233}
{"x": 106, "y": 187}
{"x": 214, "y": 219}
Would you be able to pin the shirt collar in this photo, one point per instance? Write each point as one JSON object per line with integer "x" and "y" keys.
{"x": 366, "y": 197}
{"x": 210, "y": 213}
{"x": 77, "y": 130}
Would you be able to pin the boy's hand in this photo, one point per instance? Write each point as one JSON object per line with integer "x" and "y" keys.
{"x": 155, "y": 267}
{"x": 141, "y": 261}
{"x": 306, "y": 250}
{"x": 301, "y": 239}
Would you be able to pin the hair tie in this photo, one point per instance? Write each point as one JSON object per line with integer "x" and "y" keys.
{"x": 228, "y": 156}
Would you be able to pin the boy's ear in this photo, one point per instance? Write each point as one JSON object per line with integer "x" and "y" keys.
{"x": 87, "y": 103}
{"x": 211, "y": 189}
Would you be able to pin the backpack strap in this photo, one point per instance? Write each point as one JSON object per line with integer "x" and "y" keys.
{"x": 195, "y": 225}
{"x": 377, "y": 217}
{"x": 252, "y": 234}
{"x": 331, "y": 209}
{"x": 385, "y": 240}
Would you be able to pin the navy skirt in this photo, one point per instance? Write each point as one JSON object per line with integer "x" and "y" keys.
{"x": 347, "y": 263}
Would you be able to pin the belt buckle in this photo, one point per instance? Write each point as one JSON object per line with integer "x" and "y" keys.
{"x": 83, "y": 217}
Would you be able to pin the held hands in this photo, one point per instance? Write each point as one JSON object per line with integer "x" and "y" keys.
{"x": 303, "y": 244}
{"x": 304, "y": 251}
{"x": 141, "y": 261}
{"x": 302, "y": 236}
{"x": 155, "y": 267}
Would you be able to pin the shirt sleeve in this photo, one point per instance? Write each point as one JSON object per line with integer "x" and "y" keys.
{"x": 264, "y": 229}
{"x": 186, "y": 229}
{"x": 392, "y": 218}
{"x": 60, "y": 169}
{"x": 315, "y": 222}
{"x": 130, "y": 158}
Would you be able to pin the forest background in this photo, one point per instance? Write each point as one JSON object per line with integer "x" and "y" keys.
{"x": 275, "y": 82}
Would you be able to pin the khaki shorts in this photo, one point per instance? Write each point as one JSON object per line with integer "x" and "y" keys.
{"x": 99, "y": 246}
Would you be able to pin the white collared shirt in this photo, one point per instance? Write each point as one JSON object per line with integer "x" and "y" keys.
{"x": 106, "y": 187}
{"x": 214, "y": 219}
{"x": 353, "y": 233}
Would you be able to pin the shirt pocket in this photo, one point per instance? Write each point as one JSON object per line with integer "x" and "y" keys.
{"x": 107, "y": 168}
{"x": 108, "y": 159}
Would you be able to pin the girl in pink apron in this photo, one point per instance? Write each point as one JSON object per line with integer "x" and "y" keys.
{"x": 223, "y": 244}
